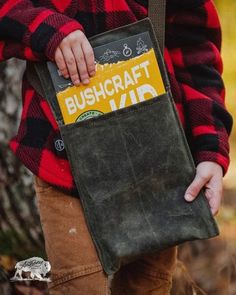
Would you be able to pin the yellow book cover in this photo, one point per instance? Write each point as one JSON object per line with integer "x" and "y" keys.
{"x": 127, "y": 72}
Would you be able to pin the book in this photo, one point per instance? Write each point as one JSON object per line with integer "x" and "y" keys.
{"x": 127, "y": 72}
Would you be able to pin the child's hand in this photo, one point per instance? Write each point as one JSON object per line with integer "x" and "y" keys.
{"x": 209, "y": 176}
{"x": 75, "y": 58}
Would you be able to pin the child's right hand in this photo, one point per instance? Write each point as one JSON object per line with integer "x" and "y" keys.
{"x": 75, "y": 58}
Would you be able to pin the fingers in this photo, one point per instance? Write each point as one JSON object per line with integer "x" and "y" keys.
{"x": 71, "y": 64}
{"x": 214, "y": 200}
{"x": 194, "y": 189}
{"x": 61, "y": 64}
{"x": 214, "y": 192}
{"x": 89, "y": 57}
{"x": 81, "y": 64}
{"x": 75, "y": 58}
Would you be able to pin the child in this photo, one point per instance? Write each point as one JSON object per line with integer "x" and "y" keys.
{"x": 58, "y": 31}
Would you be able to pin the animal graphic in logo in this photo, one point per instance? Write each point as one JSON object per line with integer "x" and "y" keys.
{"x": 34, "y": 268}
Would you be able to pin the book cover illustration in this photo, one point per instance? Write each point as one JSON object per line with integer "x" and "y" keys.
{"x": 127, "y": 73}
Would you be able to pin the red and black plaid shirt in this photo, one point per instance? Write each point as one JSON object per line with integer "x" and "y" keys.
{"x": 32, "y": 30}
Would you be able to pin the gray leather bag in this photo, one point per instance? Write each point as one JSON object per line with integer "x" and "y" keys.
{"x": 131, "y": 168}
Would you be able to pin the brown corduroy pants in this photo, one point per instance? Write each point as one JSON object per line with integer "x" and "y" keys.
{"x": 76, "y": 269}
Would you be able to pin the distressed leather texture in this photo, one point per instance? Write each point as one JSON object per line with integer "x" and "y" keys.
{"x": 131, "y": 168}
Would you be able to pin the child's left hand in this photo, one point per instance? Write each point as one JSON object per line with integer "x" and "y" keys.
{"x": 209, "y": 176}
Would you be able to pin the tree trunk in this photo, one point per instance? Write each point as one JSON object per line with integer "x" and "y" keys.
{"x": 20, "y": 230}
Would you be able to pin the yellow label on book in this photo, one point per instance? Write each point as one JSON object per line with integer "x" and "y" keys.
{"x": 115, "y": 86}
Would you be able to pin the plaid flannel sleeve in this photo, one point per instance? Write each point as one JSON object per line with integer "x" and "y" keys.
{"x": 194, "y": 43}
{"x": 30, "y": 32}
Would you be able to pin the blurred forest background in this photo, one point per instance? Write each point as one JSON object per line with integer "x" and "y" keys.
{"x": 204, "y": 267}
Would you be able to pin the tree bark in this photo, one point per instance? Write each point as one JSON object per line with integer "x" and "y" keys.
{"x": 20, "y": 229}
